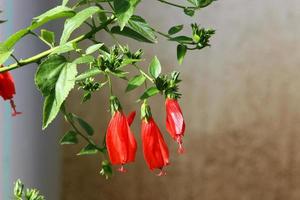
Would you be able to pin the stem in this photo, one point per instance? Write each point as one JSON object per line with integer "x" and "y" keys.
{"x": 15, "y": 58}
{"x": 69, "y": 119}
{"x": 144, "y": 73}
{"x": 39, "y": 37}
{"x": 172, "y": 4}
{"x": 109, "y": 84}
{"x": 42, "y": 55}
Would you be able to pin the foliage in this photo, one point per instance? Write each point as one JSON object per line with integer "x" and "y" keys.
{"x": 22, "y": 193}
{"x": 57, "y": 73}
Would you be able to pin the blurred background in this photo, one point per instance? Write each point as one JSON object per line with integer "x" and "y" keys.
{"x": 240, "y": 100}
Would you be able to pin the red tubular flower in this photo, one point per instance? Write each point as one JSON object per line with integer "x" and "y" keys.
{"x": 155, "y": 150}
{"x": 175, "y": 122}
{"x": 7, "y": 90}
{"x": 120, "y": 141}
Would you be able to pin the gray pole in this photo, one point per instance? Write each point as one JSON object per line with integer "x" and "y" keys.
{"x": 25, "y": 151}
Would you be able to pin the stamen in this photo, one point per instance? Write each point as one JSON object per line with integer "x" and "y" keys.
{"x": 180, "y": 147}
{"x": 122, "y": 169}
{"x": 13, "y": 108}
{"x": 161, "y": 173}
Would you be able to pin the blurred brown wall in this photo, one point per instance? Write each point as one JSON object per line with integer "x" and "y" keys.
{"x": 241, "y": 103}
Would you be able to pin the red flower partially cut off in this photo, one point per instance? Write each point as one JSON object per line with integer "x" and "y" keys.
{"x": 175, "y": 122}
{"x": 120, "y": 142}
{"x": 7, "y": 90}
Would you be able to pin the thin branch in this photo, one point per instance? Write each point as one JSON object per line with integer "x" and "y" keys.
{"x": 44, "y": 54}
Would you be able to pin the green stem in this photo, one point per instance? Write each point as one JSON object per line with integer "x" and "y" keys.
{"x": 109, "y": 84}
{"x": 144, "y": 73}
{"x": 71, "y": 122}
{"x": 172, "y": 4}
{"x": 38, "y": 57}
{"x": 39, "y": 37}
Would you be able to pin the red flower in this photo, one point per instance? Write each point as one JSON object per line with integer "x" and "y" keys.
{"x": 120, "y": 141}
{"x": 7, "y": 90}
{"x": 175, "y": 122}
{"x": 155, "y": 150}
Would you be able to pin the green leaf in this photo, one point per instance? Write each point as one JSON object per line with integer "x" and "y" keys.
{"x": 119, "y": 73}
{"x": 55, "y": 78}
{"x": 14, "y": 38}
{"x": 84, "y": 59}
{"x": 135, "y": 82}
{"x": 93, "y": 48}
{"x": 4, "y": 53}
{"x": 75, "y": 22}
{"x": 50, "y": 109}
{"x": 175, "y": 29}
{"x": 89, "y": 73}
{"x": 140, "y": 26}
{"x": 48, "y": 36}
{"x": 182, "y": 39}
{"x": 48, "y": 73}
{"x": 88, "y": 150}
{"x": 128, "y": 61}
{"x": 69, "y": 138}
{"x": 64, "y": 2}
{"x": 181, "y": 51}
{"x": 124, "y": 9}
{"x": 86, "y": 127}
{"x": 155, "y": 67}
{"x": 149, "y": 93}
{"x": 201, "y": 3}
{"x": 64, "y": 48}
{"x": 55, "y": 13}
{"x": 65, "y": 82}
{"x": 189, "y": 11}
{"x": 128, "y": 32}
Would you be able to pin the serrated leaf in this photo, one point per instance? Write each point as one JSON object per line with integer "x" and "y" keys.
{"x": 124, "y": 9}
{"x": 175, "y": 29}
{"x": 181, "y": 51}
{"x": 48, "y": 36}
{"x": 48, "y": 73}
{"x": 65, "y": 82}
{"x": 155, "y": 67}
{"x": 89, "y": 73}
{"x": 84, "y": 125}
{"x": 139, "y": 25}
{"x": 69, "y": 138}
{"x": 135, "y": 82}
{"x": 54, "y": 13}
{"x": 149, "y": 93}
{"x": 93, "y": 48}
{"x": 55, "y": 78}
{"x": 88, "y": 150}
{"x": 76, "y": 21}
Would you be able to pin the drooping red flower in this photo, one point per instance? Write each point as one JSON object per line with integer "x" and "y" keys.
{"x": 7, "y": 90}
{"x": 155, "y": 149}
{"x": 175, "y": 122}
{"x": 120, "y": 141}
